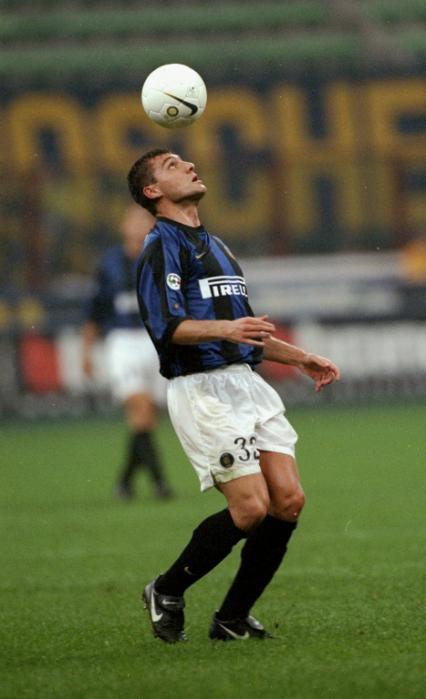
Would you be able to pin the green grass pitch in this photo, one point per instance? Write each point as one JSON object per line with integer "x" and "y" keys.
{"x": 346, "y": 606}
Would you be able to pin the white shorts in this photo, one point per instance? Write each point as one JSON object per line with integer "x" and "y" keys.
{"x": 132, "y": 365}
{"x": 223, "y": 418}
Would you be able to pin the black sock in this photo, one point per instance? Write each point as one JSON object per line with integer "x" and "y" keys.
{"x": 261, "y": 557}
{"x": 142, "y": 452}
{"x": 132, "y": 462}
{"x": 211, "y": 542}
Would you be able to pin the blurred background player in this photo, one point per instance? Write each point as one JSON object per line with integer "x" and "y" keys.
{"x": 131, "y": 358}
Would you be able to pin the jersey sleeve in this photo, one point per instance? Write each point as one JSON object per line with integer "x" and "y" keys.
{"x": 161, "y": 278}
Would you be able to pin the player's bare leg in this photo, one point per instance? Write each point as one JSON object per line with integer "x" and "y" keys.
{"x": 263, "y": 551}
{"x": 248, "y": 500}
{"x": 141, "y": 412}
{"x": 283, "y": 482}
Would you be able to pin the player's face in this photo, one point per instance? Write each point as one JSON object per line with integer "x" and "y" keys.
{"x": 176, "y": 179}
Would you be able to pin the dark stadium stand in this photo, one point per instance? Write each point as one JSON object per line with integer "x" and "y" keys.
{"x": 44, "y": 34}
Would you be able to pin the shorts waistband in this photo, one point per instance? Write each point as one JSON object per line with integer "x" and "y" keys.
{"x": 232, "y": 368}
{"x": 240, "y": 368}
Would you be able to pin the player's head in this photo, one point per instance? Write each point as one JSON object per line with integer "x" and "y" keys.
{"x": 135, "y": 226}
{"x": 141, "y": 175}
{"x": 161, "y": 175}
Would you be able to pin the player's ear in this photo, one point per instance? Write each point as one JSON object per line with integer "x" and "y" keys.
{"x": 152, "y": 191}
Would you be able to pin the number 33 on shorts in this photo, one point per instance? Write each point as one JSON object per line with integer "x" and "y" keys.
{"x": 247, "y": 448}
{"x": 244, "y": 451}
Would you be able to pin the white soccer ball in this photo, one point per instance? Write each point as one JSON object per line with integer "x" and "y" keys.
{"x": 174, "y": 95}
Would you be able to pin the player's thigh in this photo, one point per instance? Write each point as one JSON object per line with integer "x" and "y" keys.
{"x": 283, "y": 482}
{"x": 247, "y": 498}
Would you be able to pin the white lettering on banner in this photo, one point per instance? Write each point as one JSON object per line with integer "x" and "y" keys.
{"x": 126, "y": 302}
{"x": 222, "y": 286}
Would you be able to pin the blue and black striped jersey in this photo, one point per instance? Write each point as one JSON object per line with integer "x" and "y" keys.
{"x": 185, "y": 273}
{"x": 113, "y": 303}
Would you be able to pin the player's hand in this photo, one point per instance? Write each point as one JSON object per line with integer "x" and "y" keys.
{"x": 320, "y": 369}
{"x": 249, "y": 331}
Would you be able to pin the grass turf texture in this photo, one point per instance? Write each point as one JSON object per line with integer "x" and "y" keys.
{"x": 346, "y": 605}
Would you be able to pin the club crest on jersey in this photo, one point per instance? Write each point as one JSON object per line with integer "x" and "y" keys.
{"x": 173, "y": 281}
{"x": 222, "y": 286}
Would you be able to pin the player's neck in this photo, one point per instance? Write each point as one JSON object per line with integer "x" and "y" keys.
{"x": 183, "y": 212}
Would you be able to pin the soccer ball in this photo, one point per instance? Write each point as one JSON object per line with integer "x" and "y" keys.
{"x": 174, "y": 95}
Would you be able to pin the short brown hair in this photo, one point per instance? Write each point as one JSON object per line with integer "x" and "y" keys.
{"x": 140, "y": 175}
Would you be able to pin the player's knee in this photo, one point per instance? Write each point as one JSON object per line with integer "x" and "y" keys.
{"x": 249, "y": 512}
{"x": 141, "y": 423}
{"x": 290, "y": 507}
{"x": 140, "y": 413}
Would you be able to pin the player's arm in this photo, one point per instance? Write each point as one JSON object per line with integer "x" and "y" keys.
{"x": 96, "y": 311}
{"x": 318, "y": 368}
{"x": 248, "y": 330}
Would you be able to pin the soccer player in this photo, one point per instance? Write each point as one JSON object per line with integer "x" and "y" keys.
{"x": 131, "y": 358}
{"x": 193, "y": 301}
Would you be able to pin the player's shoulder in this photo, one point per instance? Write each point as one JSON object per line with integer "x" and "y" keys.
{"x": 168, "y": 230}
{"x": 164, "y": 234}
{"x": 151, "y": 243}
